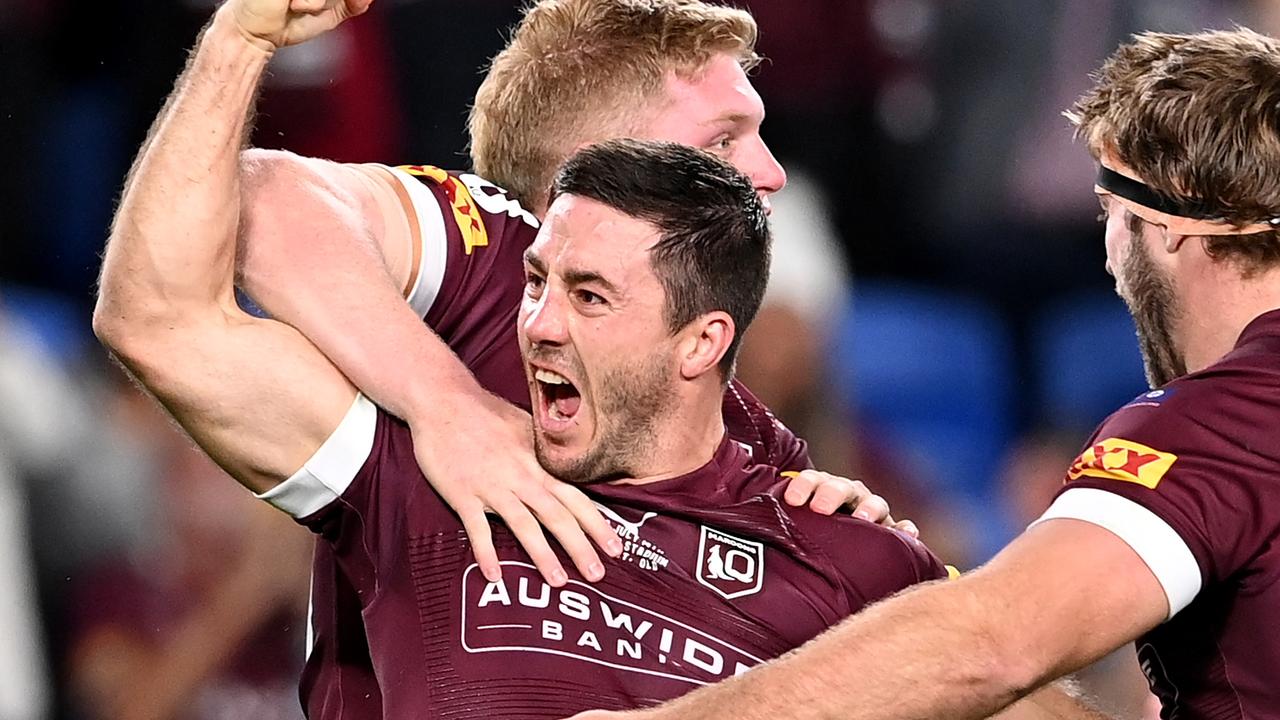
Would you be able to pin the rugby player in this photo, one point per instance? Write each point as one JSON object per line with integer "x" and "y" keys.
{"x": 329, "y": 248}
{"x": 1166, "y": 530}
{"x": 653, "y": 260}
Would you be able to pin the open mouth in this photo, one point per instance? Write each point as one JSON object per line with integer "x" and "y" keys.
{"x": 560, "y": 399}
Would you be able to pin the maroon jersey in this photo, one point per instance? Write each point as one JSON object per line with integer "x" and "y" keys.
{"x": 467, "y": 284}
{"x": 718, "y": 575}
{"x": 1189, "y": 477}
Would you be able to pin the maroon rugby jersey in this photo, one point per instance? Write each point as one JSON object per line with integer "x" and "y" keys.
{"x": 1189, "y": 476}
{"x": 718, "y": 575}
{"x": 467, "y": 285}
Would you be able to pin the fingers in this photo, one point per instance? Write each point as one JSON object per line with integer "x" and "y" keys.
{"x": 906, "y": 526}
{"x": 801, "y": 487}
{"x": 588, "y": 517}
{"x": 564, "y": 526}
{"x": 529, "y": 534}
{"x": 476, "y": 526}
{"x": 834, "y": 493}
{"x": 873, "y": 508}
{"x": 307, "y": 6}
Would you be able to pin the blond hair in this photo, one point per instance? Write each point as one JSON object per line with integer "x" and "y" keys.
{"x": 1198, "y": 118}
{"x": 578, "y": 71}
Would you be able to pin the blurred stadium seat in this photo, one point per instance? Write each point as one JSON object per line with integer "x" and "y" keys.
{"x": 58, "y": 324}
{"x": 929, "y": 373}
{"x": 1086, "y": 360}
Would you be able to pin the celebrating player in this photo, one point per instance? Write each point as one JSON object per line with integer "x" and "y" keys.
{"x": 329, "y": 248}
{"x": 1166, "y": 529}
{"x": 326, "y": 247}
{"x": 653, "y": 260}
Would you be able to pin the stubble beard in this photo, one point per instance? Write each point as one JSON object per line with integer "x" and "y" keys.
{"x": 1154, "y": 308}
{"x": 631, "y": 401}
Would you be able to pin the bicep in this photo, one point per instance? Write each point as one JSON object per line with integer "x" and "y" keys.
{"x": 304, "y": 220}
{"x": 254, "y": 394}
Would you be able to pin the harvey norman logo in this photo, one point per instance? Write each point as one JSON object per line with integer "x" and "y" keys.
{"x": 521, "y": 613}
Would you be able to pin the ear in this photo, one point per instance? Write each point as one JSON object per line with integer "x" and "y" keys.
{"x": 1172, "y": 240}
{"x": 703, "y": 343}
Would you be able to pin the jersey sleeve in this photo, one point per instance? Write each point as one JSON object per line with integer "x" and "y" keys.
{"x": 468, "y": 241}
{"x": 1177, "y": 482}
{"x": 354, "y": 491}
{"x": 870, "y": 561}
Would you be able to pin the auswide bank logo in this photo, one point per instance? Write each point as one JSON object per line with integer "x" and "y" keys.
{"x": 521, "y": 613}
{"x": 731, "y": 566}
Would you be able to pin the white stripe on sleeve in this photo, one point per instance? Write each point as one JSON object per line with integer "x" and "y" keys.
{"x": 329, "y": 472}
{"x": 435, "y": 243}
{"x": 1159, "y": 545}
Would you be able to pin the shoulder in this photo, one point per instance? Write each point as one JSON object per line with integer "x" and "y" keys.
{"x": 871, "y": 560}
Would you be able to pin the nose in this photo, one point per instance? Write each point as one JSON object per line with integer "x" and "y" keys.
{"x": 767, "y": 174}
{"x": 543, "y": 320}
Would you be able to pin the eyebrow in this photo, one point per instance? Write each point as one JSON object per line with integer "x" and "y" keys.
{"x": 736, "y": 118}
{"x": 534, "y": 261}
{"x": 579, "y": 277}
{"x": 572, "y": 277}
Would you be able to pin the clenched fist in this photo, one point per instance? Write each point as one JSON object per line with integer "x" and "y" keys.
{"x": 272, "y": 24}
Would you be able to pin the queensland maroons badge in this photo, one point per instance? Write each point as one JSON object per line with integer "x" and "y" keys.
{"x": 731, "y": 566}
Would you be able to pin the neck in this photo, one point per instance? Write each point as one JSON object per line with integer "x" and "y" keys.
{"x": 684, "y": 440}
{"x": 1218, "y": 308}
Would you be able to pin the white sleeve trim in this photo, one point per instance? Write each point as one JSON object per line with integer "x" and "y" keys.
{"x": 329, "y": 472}
{"x": 1159, "y": 545}
{"x": 435, "y": 243}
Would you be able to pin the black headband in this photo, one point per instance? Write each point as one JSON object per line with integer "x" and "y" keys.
{"x": 1130, "y": 189}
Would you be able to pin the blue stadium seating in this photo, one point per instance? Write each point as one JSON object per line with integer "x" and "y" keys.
{"x": 929, "y": 374}
{"x": 1087, "y": 361}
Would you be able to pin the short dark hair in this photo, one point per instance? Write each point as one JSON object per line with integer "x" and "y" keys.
{"x": 713, "y": 253}
{"x": 1198, "y": 118}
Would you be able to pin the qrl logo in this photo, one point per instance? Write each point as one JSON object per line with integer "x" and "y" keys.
{"x": 1118, "y": 459}
{"x": 731, "y": 566}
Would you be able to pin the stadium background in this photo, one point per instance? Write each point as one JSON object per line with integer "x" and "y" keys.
{"x": 939, "y": 322}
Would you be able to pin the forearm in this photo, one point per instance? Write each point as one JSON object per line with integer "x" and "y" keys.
{"x": 172, "y": 244}
{"x": 1057, "y": 701}
{"x": 925, "y": 654}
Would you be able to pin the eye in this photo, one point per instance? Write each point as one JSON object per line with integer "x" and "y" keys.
{"x": 721, "y": 144}
{"x": 586, "y": 297}
{"x": 533, "y": 283}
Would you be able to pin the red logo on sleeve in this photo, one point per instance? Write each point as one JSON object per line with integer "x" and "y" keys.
{"x": 1125, "y": 460}
{"x": 465, "y": 212}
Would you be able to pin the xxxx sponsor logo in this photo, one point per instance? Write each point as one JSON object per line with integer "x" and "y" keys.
{"x": 522, "y": 613}
{"x": 1119, "y": 459}
{"x": 465, "y": 212}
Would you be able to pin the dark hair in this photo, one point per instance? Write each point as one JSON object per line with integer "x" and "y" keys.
{"x": 713, "y": 253}
{"x": 1198, "y": 118}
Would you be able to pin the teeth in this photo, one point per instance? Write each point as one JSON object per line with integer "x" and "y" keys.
{"x": 550, "y": 378}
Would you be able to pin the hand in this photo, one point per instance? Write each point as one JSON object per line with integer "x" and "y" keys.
{"x": 826, "y": 493}
{"x": 272, "y": 24}
{"x": 479, "y": 457}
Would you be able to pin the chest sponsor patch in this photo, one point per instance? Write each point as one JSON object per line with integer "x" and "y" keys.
{"x": 521, "y": 613}
{"x": 729, "y": 565}
{"x": 1124, "y": 460}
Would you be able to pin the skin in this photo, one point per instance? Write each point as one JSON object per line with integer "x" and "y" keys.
{"x": 593, "y": 313}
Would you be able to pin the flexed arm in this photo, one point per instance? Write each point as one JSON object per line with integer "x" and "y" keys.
{"x": 254, "y": 393}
